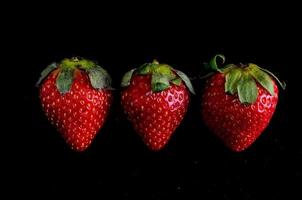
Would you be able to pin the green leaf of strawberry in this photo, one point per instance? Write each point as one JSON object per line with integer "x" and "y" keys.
{"x": 127, "y": 78}
{"x": 263, "y": 78}
{"x": 240, "y": 79}
{"x": 164, "y": 70}
{"x": 162, "y": 76}
{"x": 99, "y": 78}
{"x": 64, "y": 80}
{"x": 159, "y": 82}
{"x": 187, "y": 81}
{"x": 231, "y": 80}
{"x": 145, "y": 69}
{"x": 177, "y": 81}
{"x": 46, "y": 71}
{"x": 247, "y": 89}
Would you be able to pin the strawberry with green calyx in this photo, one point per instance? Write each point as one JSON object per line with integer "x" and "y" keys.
{"x": 155, "y": 98}
{"x": 76, "y": 95}
{"x": 238, "y": 102}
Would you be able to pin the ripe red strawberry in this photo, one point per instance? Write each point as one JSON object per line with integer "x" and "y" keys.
{"x": 238, "y": 103}
{"x": 155, "y": 99}
{"x": 76, "y": 95}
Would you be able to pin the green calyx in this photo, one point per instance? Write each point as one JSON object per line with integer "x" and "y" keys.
{"x": 241, "y": 79}
{"x": 99, "y": 78}
{"x": 163, "y": 76}
{"x": 75, "y": 62}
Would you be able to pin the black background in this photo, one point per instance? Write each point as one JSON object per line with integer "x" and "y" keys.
{"x": 194, "y": 163}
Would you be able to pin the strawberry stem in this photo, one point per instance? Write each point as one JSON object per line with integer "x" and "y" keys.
{"x": 76, "y": 62}
{"x": 155, "y": 62}
{"x": 213, "y": 62}
{"x": 75, "y": 59}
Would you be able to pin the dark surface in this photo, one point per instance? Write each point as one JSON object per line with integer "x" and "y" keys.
{"x": 194, "y": 163}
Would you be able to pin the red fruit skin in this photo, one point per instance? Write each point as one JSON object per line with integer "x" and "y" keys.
{"x": 78, "y": 114}
{"x": 154, "y": 115}
{"x": 237, "y": 125}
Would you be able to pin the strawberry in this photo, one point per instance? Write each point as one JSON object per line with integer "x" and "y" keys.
{"x": 238, "y": 103}
{"x": 155, "y": 99}
{"x": 76, "y": 95}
